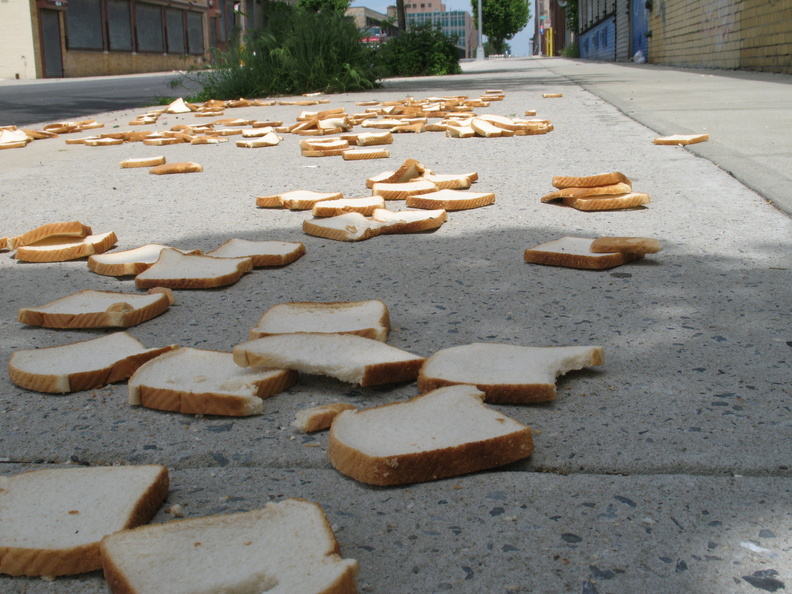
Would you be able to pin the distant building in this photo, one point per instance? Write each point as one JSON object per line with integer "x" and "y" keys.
{"x": 454, "y": 23}
{"x": 365, "y": 18}
{"x": 550, "y": 34}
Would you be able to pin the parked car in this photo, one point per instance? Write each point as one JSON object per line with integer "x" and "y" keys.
{"x": 373, "y": 35}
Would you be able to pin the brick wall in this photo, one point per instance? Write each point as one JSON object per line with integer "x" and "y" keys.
{"x": 746, "y": 34}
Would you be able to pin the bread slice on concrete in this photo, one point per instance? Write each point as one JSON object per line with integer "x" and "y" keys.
{"x": 129, "y": 262}
{"x": 409, "y": 221}
{"x": 286, "y": 547}
{"x": 600, "y": 179}
{"x": 683, "y": 139}
{"x": 262, "y": 253}
{"x": 318, "y": 418}
{"x": 507, "y": 374}
{"x": 370, "y": 319}
{"x": 347, "y": 357}
{"x": 64, "y": 229}
{"x": 351, "y": 226}
{"x": 365, "y": 206}
{"x": 575, "y": 252}
{"x": 451, "y": 181}
{"x": 97, "y": 309}
{"x": 633, "y": 245}
{"x": 180, "y": 167}
{"x": 451, "y": 200}
{"x": 142, "y": 162}
{"x": 360, "y": 154}
{"x": 402, "y": 191}
{"x": 176, "y": 270}
{"x": 201, "y": 382}
{"x": 60, "y": 248}
{"x": 54, "y": 519}
{"x": 296, "y": 199}
{"x": 445, "y": 432}
{"x": 80, "y": 365}
{"x": 608, "y": 201}
{"x": 408, "y": 170}
{"x": 583, "y": 192}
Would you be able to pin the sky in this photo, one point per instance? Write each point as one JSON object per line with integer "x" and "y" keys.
{"x": 520, "y": 44}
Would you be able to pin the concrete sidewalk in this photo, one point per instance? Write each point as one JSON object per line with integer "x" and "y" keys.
{"x": 668, "y": 469}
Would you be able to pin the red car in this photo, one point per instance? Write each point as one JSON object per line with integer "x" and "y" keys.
{"x": 373, "y": 35}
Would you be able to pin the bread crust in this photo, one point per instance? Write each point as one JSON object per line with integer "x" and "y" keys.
{"x": 635, "y": 245}
{"x": 593, "y": 262}
{"x": 236, "y": 268}
{"x": 71, "y": 248}
{"x": 180, "y": 167}
{"x": 573, "y": 192}
{"x": 600, "y": 179}
{"x": 70, "y": 228}
{"x": 401, "y": 191}
{"x": 608, "y": 202}
{"x": 451, "y": 200}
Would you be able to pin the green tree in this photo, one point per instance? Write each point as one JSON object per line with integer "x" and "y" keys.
{"x": 503, "y": 19}
{"x": 324, "y": 5}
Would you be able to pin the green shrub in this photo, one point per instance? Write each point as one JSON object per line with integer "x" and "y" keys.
{"x": 296, "y": 52}
{"x": 571, "y": 51}
{"x": 420, "y": 51}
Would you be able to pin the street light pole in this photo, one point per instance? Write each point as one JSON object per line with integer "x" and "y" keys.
{"x": 480, "y": 48}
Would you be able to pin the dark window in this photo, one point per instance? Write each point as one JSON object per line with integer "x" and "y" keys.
{"x": 149, "y": 28}
{"x": 119, "y": 25}
{"x": 195, "y": 38}
{"x": 174, "y": 21}
{"x": 84, "y": 25}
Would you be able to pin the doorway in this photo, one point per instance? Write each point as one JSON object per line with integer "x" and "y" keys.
{"x": 51, "y": 43}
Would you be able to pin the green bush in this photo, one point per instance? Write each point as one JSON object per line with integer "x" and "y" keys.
{"x": 296, "y": 52}
{"x": 420, "y": 51}
{"x": 571, "y": 51}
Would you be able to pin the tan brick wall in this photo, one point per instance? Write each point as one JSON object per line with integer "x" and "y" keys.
{"x": 747, "y": 34}
{"x": 76, "y": 63}
{"x": 17, "y": 53}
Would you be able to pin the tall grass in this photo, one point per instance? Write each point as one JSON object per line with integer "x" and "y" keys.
{"x": 296, "y": 52}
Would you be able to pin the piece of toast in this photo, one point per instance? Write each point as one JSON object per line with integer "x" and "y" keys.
{"x": 319, "y": 418}
{"x": 451, "y": 200}
{"x": 365, "y": 206}
{"x": 176, "y": 270}
{"x": 286, "y": 547}
{"x": 575, "y": 252}
{"x": 359, "y": 154}
{"x": 407, "y": 171}
{"x": 633, "y": 245}
{"x": 61, "y": 248}
{"x": 349, "y": 358}
{"x": 608, "y": 201}
{"x": 180, "y": 167}
{"x": 600, "y": 179}
{"x": 350, "y": 226}
{"x": 613, "y": 189}
{"x": 195, "y": 381}
{"x": 409, "y": 221}
{"x": 142, "y": 162}
{"x": 262, "y": 253}
{"x": 402, "y": 191}
{"x": 98, "y": 309}
{"x": 68, "y": 228}
{"x": 296, "y": 199}
{"x": 80, "y": 365}
{"x": 370, "y": 319}
{"x": 129, "y": 262}
{"x": 682, "y": 139}
{"x": 507, "y": 374}
{"x": 54, "y": 519}
{"x": 443, "y": 433}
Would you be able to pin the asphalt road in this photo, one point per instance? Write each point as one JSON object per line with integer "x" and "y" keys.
{"x": 23, "y": 103}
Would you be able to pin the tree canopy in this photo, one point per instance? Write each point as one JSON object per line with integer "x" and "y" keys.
{"x": 324, "y": 5}
{"x": 503, "y": 19}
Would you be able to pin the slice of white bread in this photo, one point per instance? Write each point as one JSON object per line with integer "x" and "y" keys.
{"x": 129, "y": 262}
{"x": 363, "y": 318}
{"x": 600, "y": 179}
{"x": 176, "y": 270}
{"x": 608, "y": 201}
{"x": 296, "y": 199}
{"x": 408, "y": 170}
{"x": 347, "y": 357}
{"x": 180, "y": 167}
{"x": 98, "y": 309}
{"x": 195, "y": 381}
{"x": 445, "y": 432}
{"x": 80, "y": 365}
{"x": 507, "y": 374}
{"x": 459, "y": 181}
{"x": 633, "y": 245}
{"x": 68, "y": 228}
{"x": 262, "y": 253}
{"x": 451, "y": 200}
{"x": 409, "y": 221}
{"x": 488, "y": 129}
{"x": 575, "y": 252}
{"x": 318, "y": 418}
{"x": 351, "y": 226}
{"x": 360, "y": 154}
{"x": 683, "y": 139}
{"x": 401, "y": 191}
{"x": 142, "y": 162}
{"x": 54, "y": 519}
{"x": 582, "y": 192}
{"x": 60, "y": 248}
{"x": 283, "y": 548}
{"x": 365, "y": 206}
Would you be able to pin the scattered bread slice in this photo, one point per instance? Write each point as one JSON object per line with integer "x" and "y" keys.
{"x": 632, "y": 245}
{"x": 608, "y": 201}
{"x": 507, "y": 374}
{"x": 488, "y": 129}
{"x": 443, "y": 433}
{"x": 365, "y": 206}
{"x": 180, "y": 106}
{"x": 461, "y": 181}
{"x": 54, "y": 519}
{"x": 285, "y": 547}
{"x": 181, "y": 167}
{"x": 347, "y": 357}
{"x": 142, "y": 162}
{"x": 98, "y": 309}
{"x": 363, "y": 318}
{"x": 351, "y": 226}
{"x": 683, "y": 139}
{"x": 80, "y": 365}
{"x": 575, "y": 252}
{"x": 373, "y": 138}
{"x": 600, "y": 179}
{"x": 408, "y": 170}
{"x": 129, "y": 262}
{"x": 60, "y": 248}
{"x": 365, "y": 153}
{"x": 176, "y": 270}
{"x": 269, "y": 139}
{"x": 451, "y": 199}
{"x": 262, "y": 253}
{"x": 401, "y": 191}
{"x": 585, "y": 192}
{"x": 296, "y": 199}
{"x": 318, "y": 418}
{"x": 195, "y": 381}
{"x": 409, "y": 221}
{"x": 66, "y": 229}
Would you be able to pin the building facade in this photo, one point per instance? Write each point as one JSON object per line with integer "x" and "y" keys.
{"x": 457, "y": 24}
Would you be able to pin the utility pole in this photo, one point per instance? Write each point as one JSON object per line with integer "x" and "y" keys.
{"x": 480, "y": 48}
